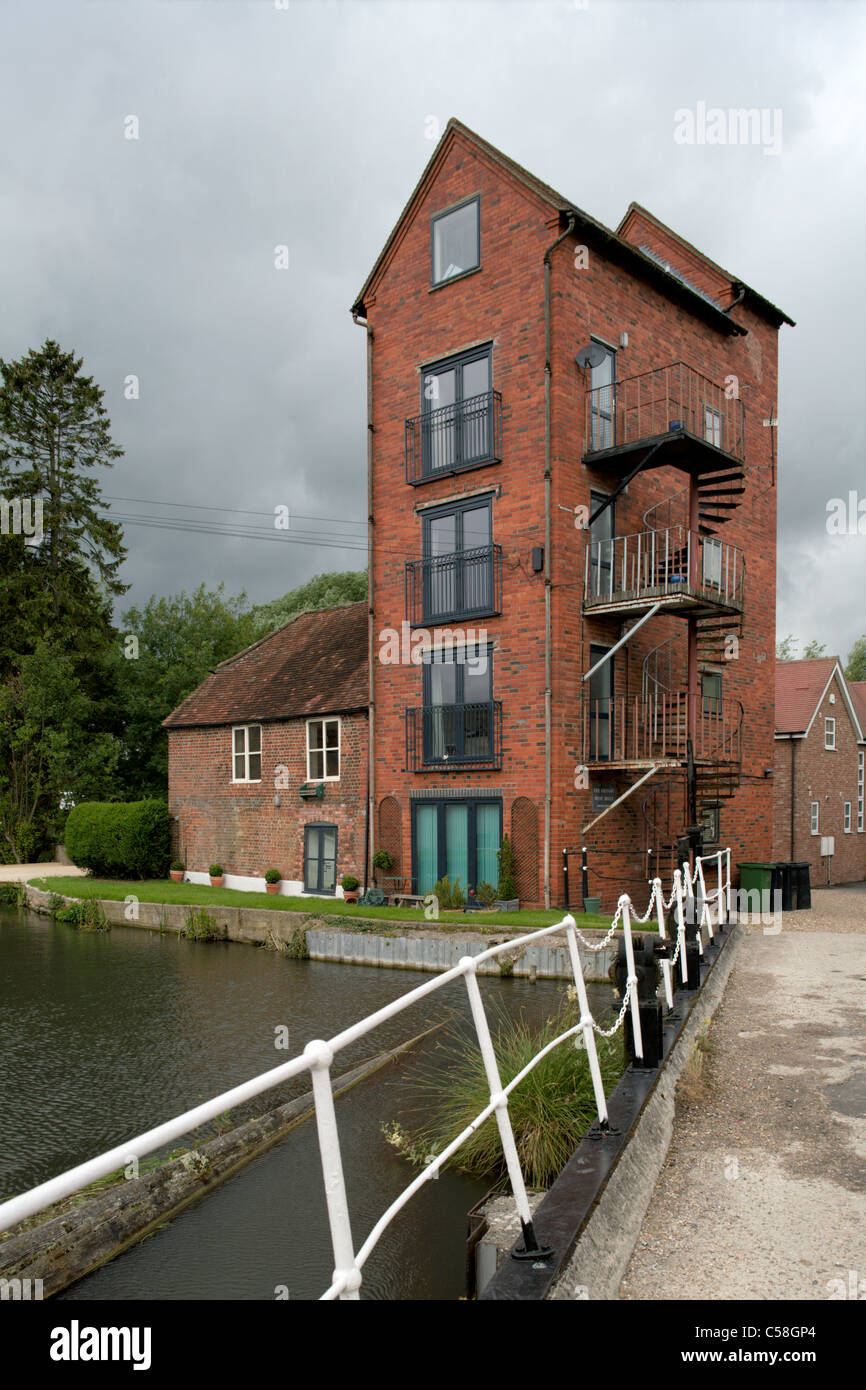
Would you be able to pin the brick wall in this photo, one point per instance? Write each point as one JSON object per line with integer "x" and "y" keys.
{"x": 830, "y": 778}
{"x": 238, "y": 825}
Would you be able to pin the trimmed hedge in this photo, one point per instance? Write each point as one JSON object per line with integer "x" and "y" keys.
{"x": 120, "y": 839}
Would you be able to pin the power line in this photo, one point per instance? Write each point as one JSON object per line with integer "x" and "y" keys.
{"x": 236, "y": 511}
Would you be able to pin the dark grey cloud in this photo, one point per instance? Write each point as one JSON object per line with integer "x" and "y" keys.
{"x": 308, "y": 126}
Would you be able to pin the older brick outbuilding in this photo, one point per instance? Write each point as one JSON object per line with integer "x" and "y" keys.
{"x": 820, "y": 756}
{"x": 572, "y": 475}
{"x": 267, "y": 759}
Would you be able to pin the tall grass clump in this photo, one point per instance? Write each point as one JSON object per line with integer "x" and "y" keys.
{"x": 550, "y": 1110}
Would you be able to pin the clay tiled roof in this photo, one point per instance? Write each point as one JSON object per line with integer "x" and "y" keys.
{"x": 313, "y": 664}
{"x": 799, "y": 686}
{"x": 858, "y": 697}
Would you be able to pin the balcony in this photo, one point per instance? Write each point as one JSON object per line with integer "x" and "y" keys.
{"x": 448, "y": 588}
{"x": 454, "y": 438}
{"x": 693, "y": 419}
{"x": 459, "y": 736}
{"x": 674, "y": 566}
{"x": 637, "y": 730}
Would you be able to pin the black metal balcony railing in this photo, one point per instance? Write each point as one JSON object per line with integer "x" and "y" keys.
{"x": 664, "y": 563}
{"x": 453, "y": 437}
{"x": 443, "y": 736}
{"x": 467, "y": 584}
{"x": 662, "y": 401}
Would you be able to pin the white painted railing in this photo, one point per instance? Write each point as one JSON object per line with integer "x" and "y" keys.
{"x": 318, "y": 1058}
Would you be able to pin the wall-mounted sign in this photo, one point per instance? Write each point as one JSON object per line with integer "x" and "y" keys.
{"x": 603, "y": 795}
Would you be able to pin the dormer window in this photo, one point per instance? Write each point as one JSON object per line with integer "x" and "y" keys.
{"x": 455, "y": 242}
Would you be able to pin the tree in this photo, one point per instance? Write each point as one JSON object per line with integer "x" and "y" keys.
{"x": 164, "y": 651}
{"x": 786, "y": 649}
{"x": 52, "y": 749}
{"x": 856, "y": 667}
{"x": 813, "y": 650}
{"x": 53, "y": 430}
{"x": 324, "y": 591}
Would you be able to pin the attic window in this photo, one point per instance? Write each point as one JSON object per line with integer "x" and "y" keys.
{"x": 455, "y": 242}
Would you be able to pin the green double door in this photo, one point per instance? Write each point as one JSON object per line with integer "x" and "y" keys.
{"x": 457, "y": 838}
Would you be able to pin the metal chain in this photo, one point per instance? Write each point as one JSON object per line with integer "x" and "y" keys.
{"x": 590, "y": 946}
{"x": 609, "y": 1032}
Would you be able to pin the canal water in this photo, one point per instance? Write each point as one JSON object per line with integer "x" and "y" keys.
{"x": 105, "y": 1035}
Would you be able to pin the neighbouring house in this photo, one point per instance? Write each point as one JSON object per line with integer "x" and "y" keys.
{"x": 267, "y": 759}
{"x": 820, "y": 757}
{"x": 572, "y": 472}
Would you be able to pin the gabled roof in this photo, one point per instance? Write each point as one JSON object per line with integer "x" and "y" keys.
{"x": 314, "y": 664}
{"x": 858, "y": 696}
{"x": 800, "y": 689}
{"x": 616, "y": 247}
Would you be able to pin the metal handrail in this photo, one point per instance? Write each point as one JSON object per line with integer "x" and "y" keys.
{"x": 447, "y": 588}
{"x": 446, "y": 440}
{"x": 661, "y": 401}
{"x": 660, "y": 563}
{"x": 440, "y": 735}
{"x": 318, "y": 1057}
{"x": 637, "y": 728}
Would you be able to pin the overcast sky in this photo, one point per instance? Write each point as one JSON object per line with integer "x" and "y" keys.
{"x": 307, "y": 125}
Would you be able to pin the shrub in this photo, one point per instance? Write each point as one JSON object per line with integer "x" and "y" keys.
{"x": 486, "y": 894}
{"x": 9, "y": 894}
{"x": 216, "y": 870}
{"x": 177, "y": 867}
{"x": 383, "y": 860}
{"x": 449, "y": 898}
{"x": 124, "y": 839}
{"x": 200, "y": 925}
{"x": 85, "y": 915}
{"x": 550, "y": 1110}
{"x": 273, "y": 876}
{"x": 349, "y": 883}
{"x": 505, "y": 857}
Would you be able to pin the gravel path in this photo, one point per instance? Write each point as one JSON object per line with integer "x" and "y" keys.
{"x": 763, "y": 1193}
{"x": 14, "y": 873}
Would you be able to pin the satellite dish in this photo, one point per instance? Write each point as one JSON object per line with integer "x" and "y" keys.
{"x": 591, "y": 356}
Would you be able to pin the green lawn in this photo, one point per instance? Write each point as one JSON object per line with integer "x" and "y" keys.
{"x": 166, "y": 891}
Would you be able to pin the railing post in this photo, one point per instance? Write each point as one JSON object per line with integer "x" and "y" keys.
{"x": 681, "y": 924}
{"x": 586, "y": 1025}
{"x": 728, "y": 884}
{"x": 632, "y": 978}
{"x": 498, "y": 1098}
{"x": 722, "y": 914}
{"x": 321, "y": 1057}
{"x": 660, "y": 915}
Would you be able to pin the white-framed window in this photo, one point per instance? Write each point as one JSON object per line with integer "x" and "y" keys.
{"x": 829, "y": 733}
{"x": 323, "y": 750}
{"x": 847, "y": 820}
{"x": 814, "y": 818}
{"x": 861, "y": 759}
{"x": 713, "y": 426}
{"x": 247, "y": 753}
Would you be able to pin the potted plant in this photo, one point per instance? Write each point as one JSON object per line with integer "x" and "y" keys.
{"x": 507, "y": 900}
{"x": 176, "y": 871}
{"x": 272, "y": 881}
{"x": 383, "y": 861}
{"x": 216, "y": 875}
{"x": 350, "y": 886}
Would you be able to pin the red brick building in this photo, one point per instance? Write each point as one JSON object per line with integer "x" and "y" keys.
{"x": 820, "y": 756}
{"x": 267, "y": 759}
{"x": 531, "y": 371}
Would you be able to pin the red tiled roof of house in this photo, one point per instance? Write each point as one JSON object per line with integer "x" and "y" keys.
{"x": 858, "y": 696}
{"x": 314, "y": 664}
{"x": 799, "y": 686}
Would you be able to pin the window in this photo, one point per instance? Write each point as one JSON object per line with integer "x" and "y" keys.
{"x": 713, "y": 426}
{"x": 455, "y": 242}
{"x": 458, "y": 555}
{"x": 457, "y": 413}
{"x": 829, "y": 733}
{"x": 814, "y": 809}
{"x": 602, "y": 394}
{"x": 861, "y": 758}
{"x": 320, "y": 858}
{"x": 600, "y": 706}
{"x": 601, "y": 534}
{"x": 460, "y": 838}
{"x": 458, "y": 705}
{"x": 711, "y": 825}
{"x": 247, "y": 751}
{"x": 711, "y": 693}
{"x": 323, "y": 750}
{"x": 712, "y": 563}
{"x": 847, "y": 815}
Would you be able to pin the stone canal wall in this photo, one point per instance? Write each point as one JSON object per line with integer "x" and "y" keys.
{"x": 409, "y": 948}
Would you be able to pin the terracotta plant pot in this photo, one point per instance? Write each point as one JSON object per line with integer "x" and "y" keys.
{"x": 350, "y": 895}
{"x": 176, "y": 875}
{"x": 217, "y": 882}
{"x": 272, "y": 887}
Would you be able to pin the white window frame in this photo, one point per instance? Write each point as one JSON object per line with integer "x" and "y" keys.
{"x": 861, "y": 760}
{"x": 815, "y": 808}
{"x": 830, "y": 729}
{"x": 246, "y": 753}
{"x": 847, "y": 817}
{"x": 324, "y": 750}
